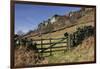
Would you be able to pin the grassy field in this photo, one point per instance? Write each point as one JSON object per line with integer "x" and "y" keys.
{"x": 83, "y": 53}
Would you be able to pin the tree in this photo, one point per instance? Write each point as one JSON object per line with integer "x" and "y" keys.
{"x": 30, "y": 31}
{"x": 20, "y": 33}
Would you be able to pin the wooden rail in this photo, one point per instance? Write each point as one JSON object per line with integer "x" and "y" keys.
{"x": 70, "y": 40}
{"x": 51, "y": 45}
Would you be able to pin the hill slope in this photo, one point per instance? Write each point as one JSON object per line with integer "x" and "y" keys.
{"x": 82, "y": 53}
{"x": 86, "y": 20}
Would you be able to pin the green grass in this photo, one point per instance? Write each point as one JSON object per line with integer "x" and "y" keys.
{"x": 82, "y": 53}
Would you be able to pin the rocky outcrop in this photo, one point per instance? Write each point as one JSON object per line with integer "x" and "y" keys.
{"x": 60, "y": 21}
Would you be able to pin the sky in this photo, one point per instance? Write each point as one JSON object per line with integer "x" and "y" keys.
{"x": 28, "y": 16}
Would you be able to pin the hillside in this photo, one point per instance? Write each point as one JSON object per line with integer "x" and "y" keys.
{"x": 61, "y": 22}
{"x": 82, "y": 53}
{"x": 86, "y": 20}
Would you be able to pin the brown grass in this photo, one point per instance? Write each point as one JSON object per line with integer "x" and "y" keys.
{"x": 26, "y": 57}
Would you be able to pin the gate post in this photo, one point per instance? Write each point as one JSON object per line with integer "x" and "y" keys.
{"x": 67, "y": 39}
{"x": 41, "y": 47}
{"x": 50, "y": 48}
{"x": 69, "y": 42}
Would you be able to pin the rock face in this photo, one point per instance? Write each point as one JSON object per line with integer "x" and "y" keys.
{"x": 60, "y": 21}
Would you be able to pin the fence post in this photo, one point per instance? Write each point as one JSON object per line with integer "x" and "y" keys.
{"x": 41, "y": 47}
{"x": 50, "y": 48}
{"x": 66, "y": 44}
{"x": 69, "y": 41}
{"x": 66, "y": 37}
